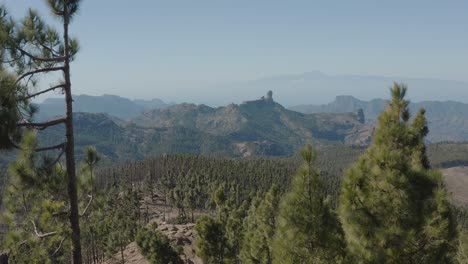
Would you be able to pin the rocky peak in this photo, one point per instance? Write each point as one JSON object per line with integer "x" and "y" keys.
{"x": 360, "y": 116}
{"x": 269, "y": 96}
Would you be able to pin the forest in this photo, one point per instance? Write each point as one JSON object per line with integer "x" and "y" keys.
{"x": 329, "y": 203}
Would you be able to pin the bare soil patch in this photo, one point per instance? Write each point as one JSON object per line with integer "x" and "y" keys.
{"x": 456, "y": 179}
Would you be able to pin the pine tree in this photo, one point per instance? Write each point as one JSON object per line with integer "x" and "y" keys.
{"x": 259, "y": 228}
{"x": 393, "y": 207}
{"x": 234, "y": 231}
{"x": 31, "y": 48}
{"x": 219, "y": 239}
{"x": 123, "y": 221}
{"x": 210, "y": 240}
{"x": 37, "y": 205}
{"x": 32, "y": 197}
{"x": 156, "y": 246}
{"x": 308, "y": 230}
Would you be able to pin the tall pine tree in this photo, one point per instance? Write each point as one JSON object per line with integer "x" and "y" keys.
{"x": 308, "y": 229}
{"x": 259, "y": 228}
{"x": 393, "y": 207}
{"x": 27, "y": 50}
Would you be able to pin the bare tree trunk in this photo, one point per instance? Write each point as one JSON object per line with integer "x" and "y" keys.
{"x": 70, "y": 147}
{"x": 93, "y": 245}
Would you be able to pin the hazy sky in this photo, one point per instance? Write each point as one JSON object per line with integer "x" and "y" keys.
{"x": 171, "y": 48}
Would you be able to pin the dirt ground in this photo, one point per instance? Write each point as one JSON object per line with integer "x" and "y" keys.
{"x": 180, "y": 235}
{"x": 456, "y": 179}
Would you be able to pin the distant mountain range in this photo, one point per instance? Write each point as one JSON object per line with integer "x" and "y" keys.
{"x": 317, "y": 88}
{"x": 448, "y": 121}
{"x": 259, "y": 127}
{"x": 263, "y": 125}
{"x": 110, "y": 104}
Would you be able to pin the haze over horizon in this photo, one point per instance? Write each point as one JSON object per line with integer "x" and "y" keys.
{"x": 316, "y": 88}
{"x": 218, "y": 52}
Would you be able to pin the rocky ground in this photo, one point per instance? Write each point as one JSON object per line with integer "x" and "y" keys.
{"x": 456, "y": 179}
{"x": 180, "y": 235}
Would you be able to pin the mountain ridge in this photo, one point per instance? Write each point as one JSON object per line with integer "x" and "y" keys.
{"x": 114, "y": 105}
{"x": 318, "y": 87}
{"x": 447, "y": 120}
{"x": 259, "y": 127}
{"x": 258, "y": 120}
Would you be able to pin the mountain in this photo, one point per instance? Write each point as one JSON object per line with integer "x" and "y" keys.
{"x": 110, "y": 104}
{"x": 259, "y": 127}
{"x": 317, "y": 88}
{"x": 448, "y": 120}
{"x": 263, "y": 123}
{"x": 151, "y": 104}
{"x": 125, "y": 141}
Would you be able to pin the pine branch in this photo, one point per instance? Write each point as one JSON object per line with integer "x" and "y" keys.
{"x": 59, "y": 247}
{"x": 54, "y": 59}
{"x": 87, "y": 206}
{"x": 59, "y": 146}
{"x": 48, "y": 69}
{"x": 42, "y": 235}
{"x": 41, "y": 126}
{"x": 60, "y": 213}
{"x": 53, "y": 52}
{"x": 44, "y": 91}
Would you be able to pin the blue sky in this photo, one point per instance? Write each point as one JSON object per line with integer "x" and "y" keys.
{"x": 174, "y": 49}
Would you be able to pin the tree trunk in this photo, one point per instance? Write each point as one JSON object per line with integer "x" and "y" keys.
{"x": 70, "y": 147}
{"x": 4, "y": 258}
{"x": 93, "y": 246}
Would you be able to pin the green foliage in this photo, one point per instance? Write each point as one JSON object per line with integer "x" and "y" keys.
{"x": 190, "y": 181}
{"x": 234, "y": 231}
{"x": 37, "y": 208}
{"x": 57, "y": 7}
{"x": 156, "y": 247}
{"x": 259, "y": 228}
{"x": 210, "y": 239}
{"x": 28, "y": 48}
{"x": 219, "y": 240}
{"x": 122, "y": 221}
{"x": 308, "y": 231}
{"x": 392, "y": 206}
{"x": 11, "y": 103}
{"x": 462, "y": 250}
{"x": 111, "y": 223}
{"x": 91, "y": 159}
